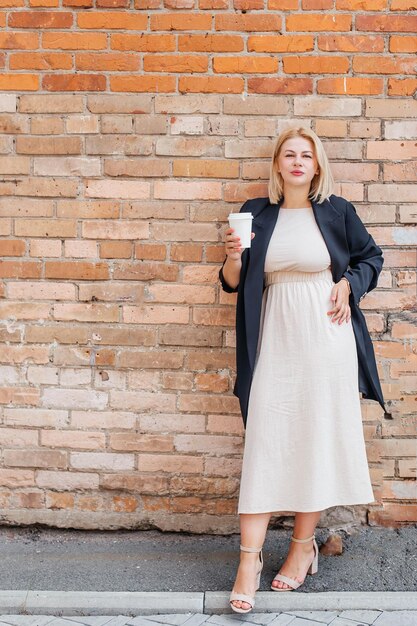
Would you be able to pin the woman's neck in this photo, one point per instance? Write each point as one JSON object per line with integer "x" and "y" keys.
{"x": 295, "y": 199}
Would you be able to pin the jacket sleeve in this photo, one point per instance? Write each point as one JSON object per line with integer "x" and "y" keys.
{"x": 366, "y": 258}
{"x": 224, "y": 284}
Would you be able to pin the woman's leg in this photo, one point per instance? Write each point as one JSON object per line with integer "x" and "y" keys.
{"x": 253, "y": 529}
{"x": 300, "y": 555}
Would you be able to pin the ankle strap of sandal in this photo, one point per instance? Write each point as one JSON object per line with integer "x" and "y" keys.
{"x": 250, "y": 549}
{"x": 302, "y": 540}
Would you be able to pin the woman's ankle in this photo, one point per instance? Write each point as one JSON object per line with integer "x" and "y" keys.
{"x": 304, "y": 548}
{"x": 249, "y": 556}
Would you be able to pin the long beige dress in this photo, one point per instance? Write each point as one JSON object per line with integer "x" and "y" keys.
{"x": 304, "y": 442}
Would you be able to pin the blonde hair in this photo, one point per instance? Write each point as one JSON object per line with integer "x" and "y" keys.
{"x": 322, "y": 183}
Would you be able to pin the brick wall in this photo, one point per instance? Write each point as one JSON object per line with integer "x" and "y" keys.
{"x": 127, "y": 133}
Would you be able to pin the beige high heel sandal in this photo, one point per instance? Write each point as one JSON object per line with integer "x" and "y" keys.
{"x": 311, "y": 570}
{"x": 242, "y": 596}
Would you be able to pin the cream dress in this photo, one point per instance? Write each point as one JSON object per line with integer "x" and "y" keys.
{"x": 304, "y": 443}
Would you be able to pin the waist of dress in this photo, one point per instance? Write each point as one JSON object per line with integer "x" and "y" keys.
{"x": 296, "y": 276}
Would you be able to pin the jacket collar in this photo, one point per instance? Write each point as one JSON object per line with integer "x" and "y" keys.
{"x": 324, "y": 212}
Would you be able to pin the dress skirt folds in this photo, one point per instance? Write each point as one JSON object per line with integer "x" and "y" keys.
{"x": 304, "y": 443}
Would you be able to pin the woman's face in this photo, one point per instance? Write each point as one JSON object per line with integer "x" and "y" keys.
{"x": 297, "y": 162}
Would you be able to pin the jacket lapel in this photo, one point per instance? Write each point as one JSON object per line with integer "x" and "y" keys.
{"x": 331, "y": 224}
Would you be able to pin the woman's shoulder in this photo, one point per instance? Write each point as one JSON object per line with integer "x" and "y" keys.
{"x": 339, "y": 202}
{"x": 258, "y": 204}
{"x": 254, "y": 205}
{"x": 255, "y": 202}
{"x": 345, "y": 207}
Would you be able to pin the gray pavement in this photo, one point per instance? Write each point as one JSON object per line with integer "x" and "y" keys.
{"x": 373, "y": 559}
{"x": 287, "y": 618}
{"x": 68, "y": 577}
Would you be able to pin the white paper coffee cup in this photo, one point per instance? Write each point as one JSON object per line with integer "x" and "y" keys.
{"x": 242, "y": 224}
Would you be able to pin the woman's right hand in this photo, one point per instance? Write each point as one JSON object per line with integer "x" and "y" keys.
{"x": 232, "y": 244}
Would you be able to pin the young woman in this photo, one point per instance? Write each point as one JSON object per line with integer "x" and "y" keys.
{"x": 303, "y": 355}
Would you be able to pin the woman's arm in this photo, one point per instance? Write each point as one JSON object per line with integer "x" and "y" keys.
{"x": 229, "y": 273}
{"x": 366, "y": 258}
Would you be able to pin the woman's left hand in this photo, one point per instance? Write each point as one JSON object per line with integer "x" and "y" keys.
{"x": 340, "y": 297}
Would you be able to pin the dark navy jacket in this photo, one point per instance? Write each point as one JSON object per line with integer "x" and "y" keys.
{"x": 354, "y": 254}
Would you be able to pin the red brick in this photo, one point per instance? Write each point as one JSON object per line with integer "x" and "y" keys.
{"x": 152, "y": 251}
{"x": 134, "y": 83}
{"x": 177, "y": 380}
{"x": 74, "y": 41}
{"x": 280, "y": 85}
{"x": 59, "y": 500}
{"x": 179, "y": 336}
{"x": 211, "y": 382}
{"x": 284, "y": 43}
{"x": 35, "y": 458}
{"x": 245, "y": 65}
{"x": 19, "y": 82}
{"x": 48, "y": 145}
{"x": 112, "y": 19}
{"x": 208, "y": 404}
{"x": 190, "y": 294}
{"x": 74, "y": 82}
{"x": 40, "y": 61}
{"x": 350, "y": 85}
{"x": 186, "y": 252}
{"x": 90, "y": 503}
{"x": 403, "y": 5}
{"x": 317, "y": 22}
{"x": 175, "y": 63}
{"x": 174, "y": 422}
{"x": 158, "y": 314}
{"x": 210, "y": 84}
{"x": 141, "y": 442}
{"x": 387, "y": 23}
{"x": 67, "y": 480}
{"x": 251, "y": 23}
{"x": 175, "y": 463}
{"x": 361, "y": 5}
{"x": 16, "y": 478}
{"x": 205, "y": 168}
{"x": 29, "y": 499}
{"x": 19, "y": 41}
{"x": 398, "y": 43}
{"x": 76, "y": 270}
{"x": 393, "y": 515}
{"x": 402, "y": 87}
{"x": 107, "y": 62}
{"x": 351, "y": 43}
{"x": 112, "y": 4}
{"x": 153, "y": 503}
{"x": 142, "y": 42}
{"x": 161, "y": 359}
{"x": 190, "y": 485}
{"x": 383, "y": 65}
{"x": 315, "y": 65}
{"x": 40, "y": 19}
{"x": 180, "y": 21}
{"x": 126, "y": 504}
{"x": 213, "y": 316}
{"x": 143, "y": 484}
{"x": 209, "y": 43}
